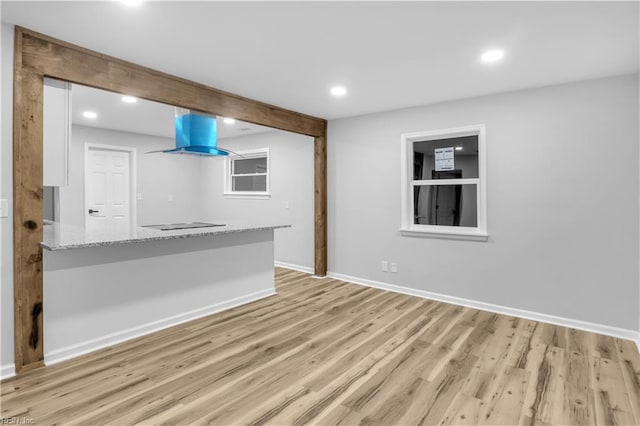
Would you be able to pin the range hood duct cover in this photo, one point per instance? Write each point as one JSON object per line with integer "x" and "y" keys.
{"x": 196, "y": 135}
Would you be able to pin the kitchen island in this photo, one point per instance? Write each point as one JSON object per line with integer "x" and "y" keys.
{"x": 102, "y": 288}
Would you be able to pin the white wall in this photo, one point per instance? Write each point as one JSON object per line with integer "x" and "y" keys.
{"x": 562, "y": 202}
{"x": 291, "y": 181}
{"x": 6, "y": 192}
{"x": 158, "y": 176}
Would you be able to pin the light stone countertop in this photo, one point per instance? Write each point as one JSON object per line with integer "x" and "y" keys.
{"x": 63, "y": 237}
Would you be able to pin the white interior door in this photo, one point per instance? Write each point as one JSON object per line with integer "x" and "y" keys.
{"x": 108, "y": 189}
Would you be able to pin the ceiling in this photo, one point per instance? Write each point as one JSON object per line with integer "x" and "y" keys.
{"x": 389, "y": 55}
{"x": 145, "y": 117}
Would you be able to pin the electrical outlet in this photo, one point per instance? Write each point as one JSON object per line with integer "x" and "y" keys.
{"x": 139, "y": 197}
{"x": 286, "y": 204}
{"x": 385, "y": 266}
{"x": 4, "y": 208}
{"x": 170, "y": 197}
{"x": 394, "y": 267}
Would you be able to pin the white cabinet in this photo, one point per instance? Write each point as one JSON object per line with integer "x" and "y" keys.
{"x": 56, "y": 132}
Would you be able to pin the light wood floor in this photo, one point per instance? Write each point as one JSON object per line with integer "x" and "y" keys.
{"x": 326, "y": 352}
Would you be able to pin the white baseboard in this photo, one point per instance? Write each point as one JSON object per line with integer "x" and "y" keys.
{"x": 305, "y": 269}
{"x": 7, "y": 370}
{"x": 92, "y": 345}
{"x": 514, "y": 312}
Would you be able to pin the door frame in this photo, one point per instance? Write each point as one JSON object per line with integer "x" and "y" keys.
{"x": 133, "y": 180}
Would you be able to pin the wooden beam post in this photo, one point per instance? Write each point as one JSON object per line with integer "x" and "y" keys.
{"x": 320, "y": 205}
{"x": 28, "y": 217}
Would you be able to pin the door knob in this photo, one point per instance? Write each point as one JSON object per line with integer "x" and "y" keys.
{"x": 93, "y": 211}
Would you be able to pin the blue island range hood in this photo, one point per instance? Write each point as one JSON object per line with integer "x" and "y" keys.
{"x": 196, "y": 135}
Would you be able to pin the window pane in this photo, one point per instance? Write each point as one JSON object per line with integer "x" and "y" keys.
{"x": 446, "y": 205}
{"x": 250, "y": 183}
{"x": 249, "y": 166}
{"x": 449, "y": 158}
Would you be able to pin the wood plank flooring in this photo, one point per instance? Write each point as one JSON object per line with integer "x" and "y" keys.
{"x": 326, "y": 352}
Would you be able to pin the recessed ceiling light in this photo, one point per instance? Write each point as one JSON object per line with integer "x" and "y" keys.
{"x": 129, "y": 99}
{"x": 492, "y": 56}
{"x": 90, "y": 115}
{"x": 229, "y": 120}
{"x": 131, "y": 2}
{"x": 338, "y": 91}
{"x": 458, "y": 148}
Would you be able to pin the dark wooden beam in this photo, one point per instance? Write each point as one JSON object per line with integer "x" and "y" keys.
{"x": 27, "y": 206}
{"x": 37, "y": 56}
{"x": 320, "y": 205}
{"x": 65, "y": 61}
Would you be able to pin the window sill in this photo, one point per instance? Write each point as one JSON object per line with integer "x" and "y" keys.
{"x": 247, "y": 195}
{"x": 451, "y": 234}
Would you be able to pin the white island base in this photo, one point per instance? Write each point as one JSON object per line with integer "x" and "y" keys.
{"x": 104, "y": 294}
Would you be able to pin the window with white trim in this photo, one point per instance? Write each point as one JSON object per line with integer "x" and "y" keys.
{"x": 444, "y": 183}
{"x": 247, "y": 174}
